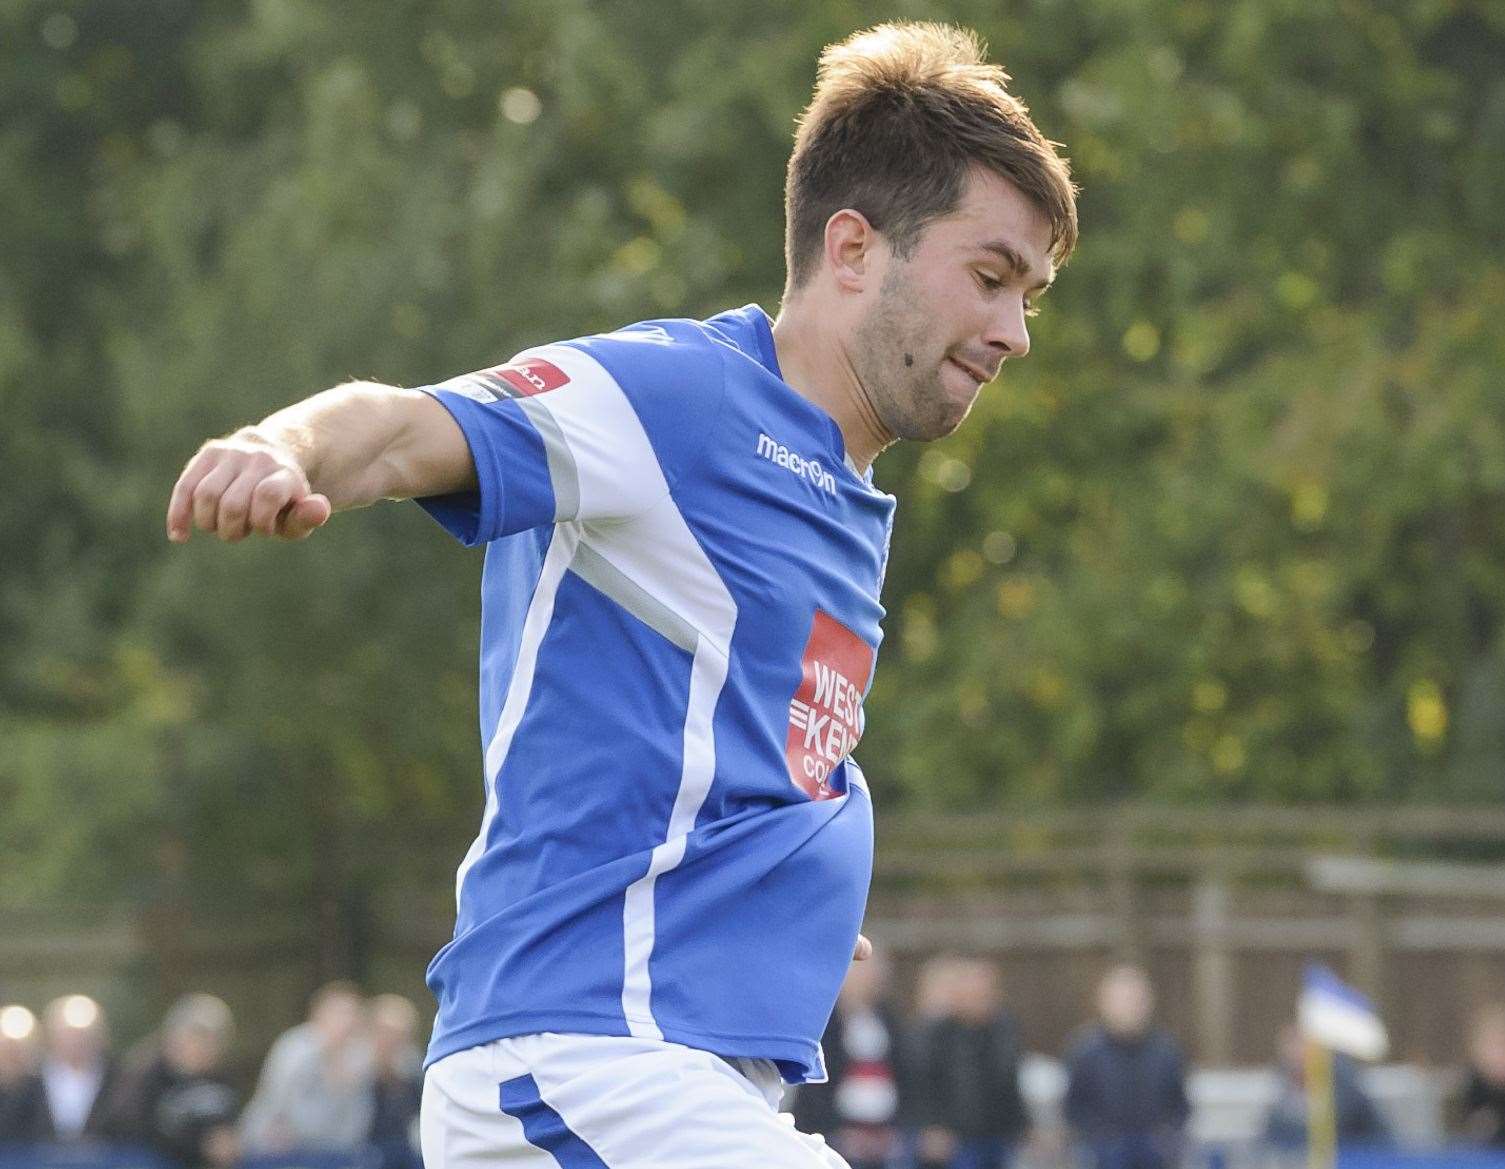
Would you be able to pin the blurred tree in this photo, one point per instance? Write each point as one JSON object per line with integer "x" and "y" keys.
{"x": 1231, "y": 533}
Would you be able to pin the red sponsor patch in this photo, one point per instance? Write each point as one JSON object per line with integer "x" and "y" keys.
{"x": 825, "y": 715}
{"x": 534, "y": 376}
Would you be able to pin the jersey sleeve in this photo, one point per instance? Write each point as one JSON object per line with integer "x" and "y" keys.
{"x": 595, "y": 429}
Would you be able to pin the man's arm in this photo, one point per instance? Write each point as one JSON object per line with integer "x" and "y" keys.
{"x": 342, "y": 449}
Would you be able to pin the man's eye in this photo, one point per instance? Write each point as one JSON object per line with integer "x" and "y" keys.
{"x": 1031, "y": 309}
{"x": 988, "y": 282}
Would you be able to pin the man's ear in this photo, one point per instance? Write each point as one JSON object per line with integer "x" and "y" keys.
{"x": 852, "y": 244}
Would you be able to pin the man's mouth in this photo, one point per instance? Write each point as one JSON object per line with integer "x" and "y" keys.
{"x": 972, "y": 371}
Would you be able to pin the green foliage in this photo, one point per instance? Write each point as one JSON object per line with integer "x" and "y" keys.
{"x": 1232, "y": 532}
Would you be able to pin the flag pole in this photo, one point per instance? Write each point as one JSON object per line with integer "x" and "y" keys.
{"x": 1321, "y": 1108}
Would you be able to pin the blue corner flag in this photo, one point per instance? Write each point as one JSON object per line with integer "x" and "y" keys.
{"x": 1338, "y": 1017}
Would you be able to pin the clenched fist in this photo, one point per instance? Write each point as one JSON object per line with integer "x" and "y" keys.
{"x": 241, "y": 484}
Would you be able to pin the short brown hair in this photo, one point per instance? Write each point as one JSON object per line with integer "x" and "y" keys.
{"x": 900, "y": 115}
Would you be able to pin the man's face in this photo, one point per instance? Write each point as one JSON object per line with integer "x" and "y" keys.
{"x": 193, "y": 1050}
{"x": 1125, "y": 1002}
{"x": 977, "y": 995}
{"x": 338, "y": 1019}
{"x": 943, "y": 321}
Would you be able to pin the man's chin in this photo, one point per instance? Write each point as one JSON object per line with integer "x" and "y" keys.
{"x": 930, "y": 429}
{"x": 946, "y": 405}
{"x": 955, "y": 414}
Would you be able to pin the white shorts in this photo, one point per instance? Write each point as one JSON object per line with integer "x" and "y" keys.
{"x": 605, "y": 1102}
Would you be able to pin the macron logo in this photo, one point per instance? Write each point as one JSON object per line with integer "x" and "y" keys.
{"x": 808, "y": 469}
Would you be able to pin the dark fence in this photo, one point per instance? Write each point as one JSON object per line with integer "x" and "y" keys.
{"x": 1224, "y": 906}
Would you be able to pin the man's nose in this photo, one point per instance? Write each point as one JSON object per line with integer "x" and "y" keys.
{"x": 1009, "y": 335}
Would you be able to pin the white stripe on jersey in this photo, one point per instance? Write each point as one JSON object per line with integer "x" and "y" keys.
{"x": 628, "y": 529}
{"x": 655, "y": 551}
{"x": 658, "y": 553}
{"x": 707, "y": 676}
{"x": 535, "y": 625}
{"x": 615, "y": 468}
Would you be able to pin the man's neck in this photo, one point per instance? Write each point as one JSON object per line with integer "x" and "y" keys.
{"x": 816, "y": 365}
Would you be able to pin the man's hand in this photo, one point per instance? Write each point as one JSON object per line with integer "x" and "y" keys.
{"x": 241, "y": 484}
{"x": 864, "y": 949}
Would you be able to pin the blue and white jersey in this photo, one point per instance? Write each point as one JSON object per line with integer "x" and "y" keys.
{"x": 680, "y": 619}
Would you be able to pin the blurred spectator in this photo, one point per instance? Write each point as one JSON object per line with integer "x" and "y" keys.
{"x": 935, "y": 988}
{"x": 171, "y": 1095}
{"x": 1358, "y": 1120}
{"x": 397, "y": 1089}
{"x": 76, "y": 1068}
{"x": 968, "y": 1103}
{"x": 935, "y": 996}
{"x": 1483, "y": 1103}
{"x": 57, "y": 1100}
{"x": 20, "y": 1103}
{"x": 1126, "y": 1082}
{"x": 315, "y": 1090}
{"x": 857, "y": 1108}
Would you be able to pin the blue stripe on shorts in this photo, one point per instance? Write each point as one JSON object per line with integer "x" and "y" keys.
{"x": 544, "y": 1127}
